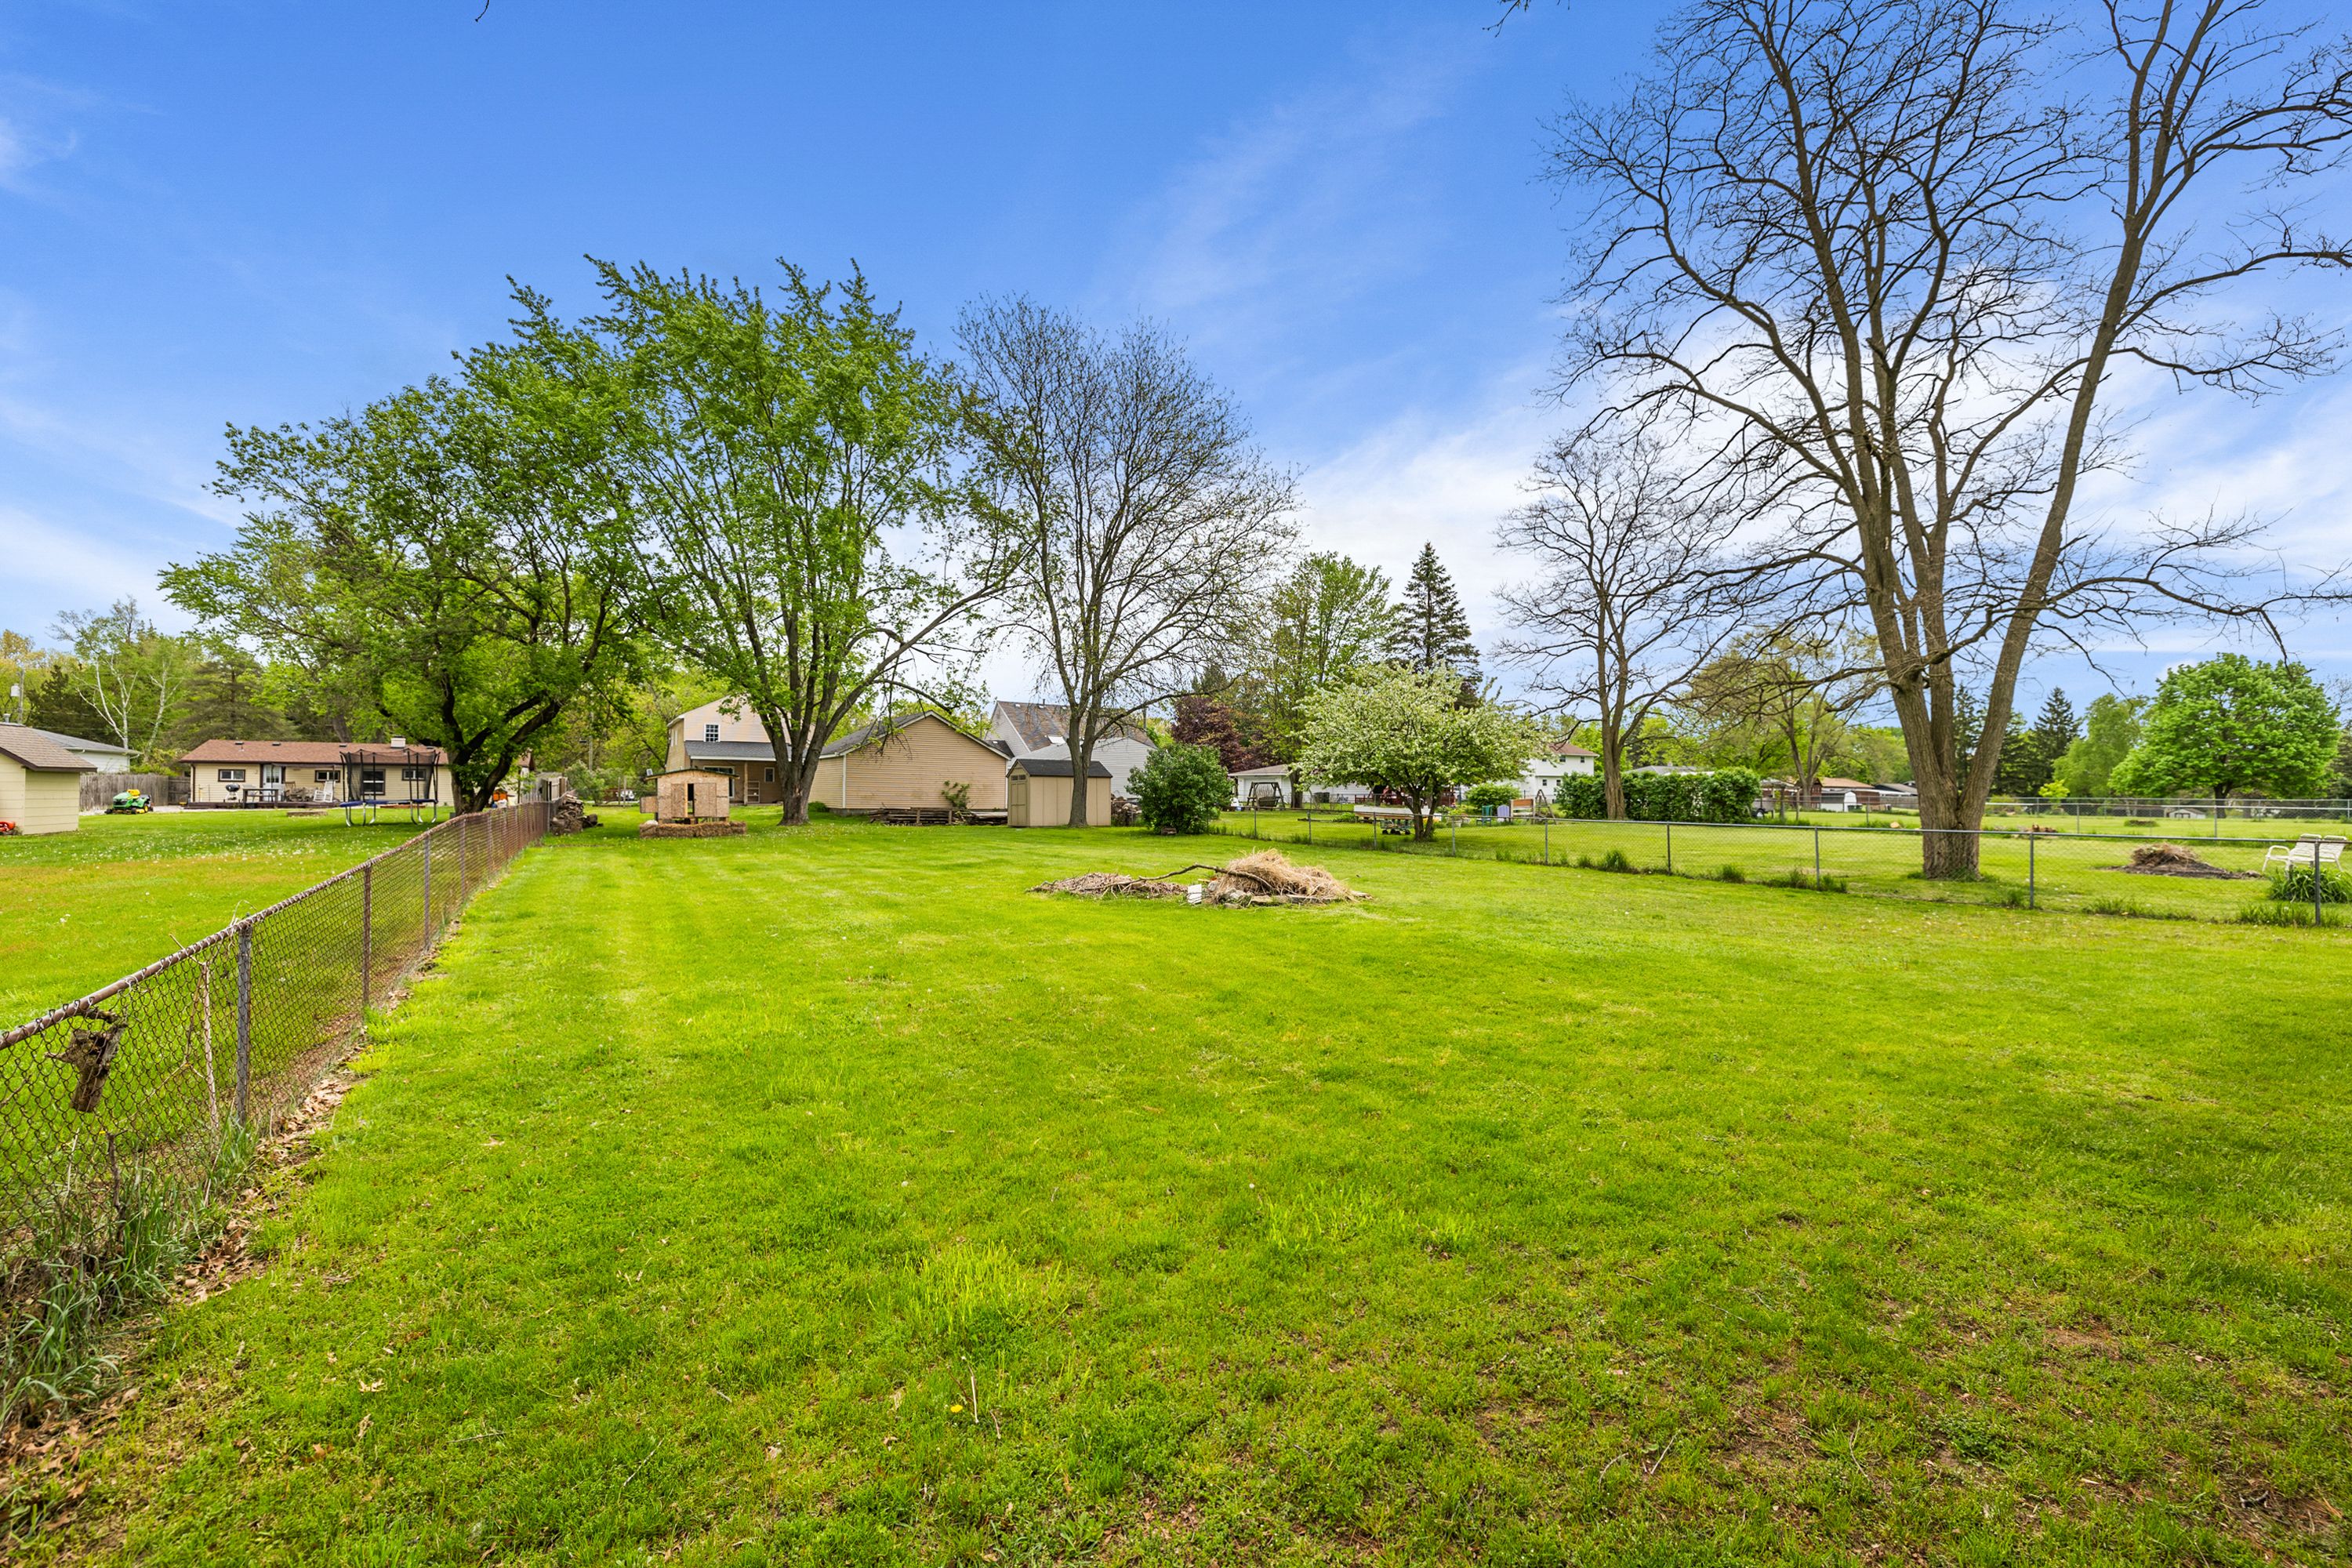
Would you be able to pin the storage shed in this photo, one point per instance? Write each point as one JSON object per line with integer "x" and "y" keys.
{"x": 690, "y": 795}
{"x": 1037, "y": 793}
{"x": 40, "y": 782}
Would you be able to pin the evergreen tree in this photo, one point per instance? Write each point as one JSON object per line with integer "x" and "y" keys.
{"x": 2056, "y": 727}
{"x": 2021, "y": 768}
{"x": 1431, "y": 632}
{"x": 1967, "y": 722}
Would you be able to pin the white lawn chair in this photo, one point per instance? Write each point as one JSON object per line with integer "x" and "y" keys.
{"x": 2312, "y": 850}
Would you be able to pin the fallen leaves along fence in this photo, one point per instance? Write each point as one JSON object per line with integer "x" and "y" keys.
{"x": 2260, "y": 879}
{"x": 224, "y": 1037}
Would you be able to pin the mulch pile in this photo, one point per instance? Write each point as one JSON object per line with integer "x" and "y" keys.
{"x": 2172, "y": 860}
{"x": 1268, "y": 877}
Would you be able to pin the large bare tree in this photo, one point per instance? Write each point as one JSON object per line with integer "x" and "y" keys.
{"x": 1148, "y": 523}
{"x": 1888, "y": 273}
{"x": 1634, "y": 589}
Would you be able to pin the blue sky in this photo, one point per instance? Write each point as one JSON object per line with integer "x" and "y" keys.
{"x": 264, "y": 212}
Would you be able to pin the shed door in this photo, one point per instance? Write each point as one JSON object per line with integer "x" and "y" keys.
{"x": 1016, "y": 801}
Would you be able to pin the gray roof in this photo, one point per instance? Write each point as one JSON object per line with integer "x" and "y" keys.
{"x": 1042, "y": 725}
{"x": 76, "y": 743}
{"x": 1056, "y": 768}
{"x": 729, "y": 751}
{"x": 882, "y": 729}
{"x": 39, "y": 751}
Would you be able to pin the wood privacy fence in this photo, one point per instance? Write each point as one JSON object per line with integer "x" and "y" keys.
{"x": 163, "y": 789}
{"x": 158, "y": 1070}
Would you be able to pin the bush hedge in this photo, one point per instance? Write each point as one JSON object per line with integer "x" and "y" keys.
{"x": 1727, "y": 795}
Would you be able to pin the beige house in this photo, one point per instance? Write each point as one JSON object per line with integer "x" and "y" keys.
{"x": 907, "y": 763}
{"x": 270, "y": 773}
{"x": 902, "y": 763}
{"x": 40, "y": 782}
{"x": 1037, "y": 793}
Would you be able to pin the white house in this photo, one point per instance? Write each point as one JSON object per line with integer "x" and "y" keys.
{"x": 1043, "y": 730}
{"x": 1539, "y": 784}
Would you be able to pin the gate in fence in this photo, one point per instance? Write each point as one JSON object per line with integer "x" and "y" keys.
{"x": 228, "y": 1034}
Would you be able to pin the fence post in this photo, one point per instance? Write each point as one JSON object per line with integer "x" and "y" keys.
{"x": 1670, "y": 848}
{"x": 367, "y": 938}
{"x": 427, "y": 840}
{"x": 1817, "y": 857}
{"x": 1547, "y": 849}
{"x": 1453, "y": 837}
{"x": 2316, "y": 886}
{"x": 244, "y": 1018}
{"x": 1310, "y": 827}
{"x": 2033, "y": 892}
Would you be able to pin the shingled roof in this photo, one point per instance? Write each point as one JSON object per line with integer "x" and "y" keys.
{"x": 1043, "y": 724}
{"x": 36, "y": 751}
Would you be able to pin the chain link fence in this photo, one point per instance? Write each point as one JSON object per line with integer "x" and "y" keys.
{"x": 216, "y": 1042}
{"x": 2269, "y": 879}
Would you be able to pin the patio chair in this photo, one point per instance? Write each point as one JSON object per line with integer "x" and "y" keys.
{"x": 2320, "y": 849}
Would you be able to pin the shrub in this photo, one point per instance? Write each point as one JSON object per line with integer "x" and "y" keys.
{"x": 1180, "y": 789}
{"x": 1731, "y": 874}
{"x": 2293, "y": 885}
{"x": 1487, "y": 795}
{"x": 1727, "y": 795}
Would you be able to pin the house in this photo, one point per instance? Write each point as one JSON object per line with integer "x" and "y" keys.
{"x": 1037, "y": 728}
{"x": 1854, "y": 794}
{"x": 106, "y": 756}
{"x": 910, "y": 762}
{"x": 273, "y": 773}
{"x": 40, "y": 780}
{"x": 901, "y": 763}
{"x": 1037, "y": 792}
{"x": 1538, "y": 781}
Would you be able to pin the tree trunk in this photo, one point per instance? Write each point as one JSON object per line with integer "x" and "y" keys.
{"x": 1613, "y": 770}
{"x": 1082, "y": 757}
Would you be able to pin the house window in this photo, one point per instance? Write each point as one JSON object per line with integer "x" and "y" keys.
{"x": 371, "y": 780}
{"x": 415, "y": 775}
{"x": 770, "y": 775}
{"x": 711, "y": 732}
{"x": 322, "y": 776}
{"x": 232, "y": 775}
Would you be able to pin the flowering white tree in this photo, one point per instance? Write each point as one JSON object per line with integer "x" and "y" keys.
{"x": 1406, "y": 730}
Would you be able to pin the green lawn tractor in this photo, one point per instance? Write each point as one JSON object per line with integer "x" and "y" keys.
{"x": 129, "y": 802}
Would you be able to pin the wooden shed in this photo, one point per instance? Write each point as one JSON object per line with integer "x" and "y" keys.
{"x": 40, "y": 782}
{"x": 1037, "y": 793}
{"x": 690, "y": 795}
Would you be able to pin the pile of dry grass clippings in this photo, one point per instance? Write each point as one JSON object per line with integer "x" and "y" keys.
{"x": 1269, "y": 873}
{"x": 1112, "y": 884}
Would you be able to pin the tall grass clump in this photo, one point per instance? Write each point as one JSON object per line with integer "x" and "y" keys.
{"x": 109, "y": 1246}
{"x": 2293, "y": 885}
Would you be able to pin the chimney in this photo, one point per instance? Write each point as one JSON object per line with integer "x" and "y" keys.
{"x": 398, "y": 741}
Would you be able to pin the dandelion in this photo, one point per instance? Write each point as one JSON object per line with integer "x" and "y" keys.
{"x": 955, "y": 1409}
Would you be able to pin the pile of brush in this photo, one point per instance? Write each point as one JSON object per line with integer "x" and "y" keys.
{"x": 1267, "y": 877}
{"x": 2172, "y": 860}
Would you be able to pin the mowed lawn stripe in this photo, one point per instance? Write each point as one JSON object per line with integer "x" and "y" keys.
{"x": 824, "y": 1195}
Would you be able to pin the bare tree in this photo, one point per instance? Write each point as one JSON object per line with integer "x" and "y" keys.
{"x": 1149, "y": 522}
{"x": 1887, "y": 275}
{"x": 1634, "y": 592}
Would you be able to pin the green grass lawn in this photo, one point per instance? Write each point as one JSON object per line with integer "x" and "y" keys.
{"x": 823, "y": 1196}
{"x": 81, "y": 909}
{"x": 2083, "y": 873}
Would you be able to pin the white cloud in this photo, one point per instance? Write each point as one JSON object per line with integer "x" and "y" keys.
{"x": 1301, "y": 205}
{"x": 71, "y": 568}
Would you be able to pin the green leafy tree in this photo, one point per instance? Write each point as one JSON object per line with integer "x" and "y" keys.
{"x": 453, "y": 564}
{"x": 1431, "y": 631}
{"x": 1406, "y": 730}
{"x": 1181, "y": 788}
{"x": 2110, "y": 729}
{"x": 793, "y": 459}
{"x": 2232, "y": 725}
{"x": 1324, "y": 624}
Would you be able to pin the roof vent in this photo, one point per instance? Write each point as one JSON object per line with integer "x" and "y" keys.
{"x": 398, "y": 741}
